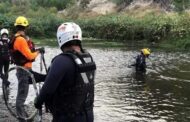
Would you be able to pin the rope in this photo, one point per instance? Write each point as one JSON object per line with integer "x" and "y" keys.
{"x": 6, "y": 89}
{"x": 41, "y": 68}
{"x": 43, "y": 60}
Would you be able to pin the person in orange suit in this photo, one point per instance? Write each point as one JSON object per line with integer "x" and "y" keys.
{"x": 22, "y": 55}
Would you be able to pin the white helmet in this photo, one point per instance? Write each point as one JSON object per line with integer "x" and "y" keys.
{"x": 67, "y": 32}
{"x": 4, "y": 31}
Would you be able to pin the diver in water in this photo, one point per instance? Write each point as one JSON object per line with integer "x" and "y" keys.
{"x": 140, "y": 64}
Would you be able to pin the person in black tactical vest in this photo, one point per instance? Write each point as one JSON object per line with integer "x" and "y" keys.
{"x": 68, "y": 90}
{"x": 4, "y": 52}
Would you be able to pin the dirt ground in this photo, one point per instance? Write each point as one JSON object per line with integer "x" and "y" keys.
{"x": 5, "y": 116}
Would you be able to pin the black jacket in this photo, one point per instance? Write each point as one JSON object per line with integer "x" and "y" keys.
{"x": 4, "y": 50}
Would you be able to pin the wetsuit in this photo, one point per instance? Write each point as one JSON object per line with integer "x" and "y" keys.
{"x": 4, "y": 56}
{"x": 140, "y": 63}
{"x": 65, "y": 93}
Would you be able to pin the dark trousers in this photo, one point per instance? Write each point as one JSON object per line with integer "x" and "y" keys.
{"x": 86, "y": 117}
{"x": 23, "y": 86}
{"x": 4, "y": 67}
{"x": 22, "y": 93}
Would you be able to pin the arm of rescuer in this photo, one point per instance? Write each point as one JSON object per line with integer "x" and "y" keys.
{"x": 21, "y": 45}
{"x": 58, "y": 69}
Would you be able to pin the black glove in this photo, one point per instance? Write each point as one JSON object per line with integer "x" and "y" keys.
{"x": 37, "y": 104}
{"x": 41, "y": 50}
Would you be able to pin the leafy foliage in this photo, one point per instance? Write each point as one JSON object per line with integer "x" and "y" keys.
{"x": 152, "y": 27}
{"x": 181, "y": 5}
{"x": 119, "y": 2}
{"x": 59, "y": 4}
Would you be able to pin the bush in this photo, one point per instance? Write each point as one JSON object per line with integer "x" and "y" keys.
{"x": 126, "y": 28}
{"x": 151, "y": 27}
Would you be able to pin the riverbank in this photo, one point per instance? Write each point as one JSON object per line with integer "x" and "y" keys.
{"x": 87, "y": 42}
{"x": 166, "y": 45}
{"x": 168, "y": 31}
{"x": 5, "y": 115}
{"x": 180, "y": 44}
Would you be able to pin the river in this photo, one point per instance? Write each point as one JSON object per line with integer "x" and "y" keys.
{"x": 121, "y": 95}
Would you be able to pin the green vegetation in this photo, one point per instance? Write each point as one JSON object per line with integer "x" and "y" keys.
{"x": 34, "y": 4}
{"x": 176, "y": 44}
{"x": 87, "y": 42}
{"x": 52, "y": 42}
{"x": 167, "y": 29}
{"x": 151, "y": 28}
{"x": 181, "y": 5}
{"x": 119, "y": 2}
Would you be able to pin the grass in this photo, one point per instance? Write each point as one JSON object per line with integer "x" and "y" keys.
{"x": 100, "y": 43}
{"x": 87, "y": 42}
{"x": 177, "y": 44}
{"x": 45, "y": 41}
{"x": 166, "y": 45}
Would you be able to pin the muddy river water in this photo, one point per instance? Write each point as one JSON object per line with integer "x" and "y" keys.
{"x": 121, "y": 95}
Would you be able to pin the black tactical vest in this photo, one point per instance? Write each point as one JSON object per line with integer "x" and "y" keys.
{"x": 4, "y": 49}
{"x": 78, "y": 97}
{"x": 17, "y": 57}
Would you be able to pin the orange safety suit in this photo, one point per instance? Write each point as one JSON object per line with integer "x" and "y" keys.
{"x": 21, "y": 45}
